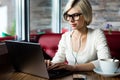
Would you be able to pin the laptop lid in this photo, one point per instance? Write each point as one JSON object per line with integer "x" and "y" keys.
{"x": 27, "y": 57}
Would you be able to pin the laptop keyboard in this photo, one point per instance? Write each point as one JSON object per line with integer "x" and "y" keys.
{"x": 59, "y": 73}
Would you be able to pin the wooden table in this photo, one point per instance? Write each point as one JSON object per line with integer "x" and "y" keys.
{"x": 10, "y": 75}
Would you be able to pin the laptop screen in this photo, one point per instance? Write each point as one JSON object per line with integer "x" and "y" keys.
{"x": 27, "y": 57}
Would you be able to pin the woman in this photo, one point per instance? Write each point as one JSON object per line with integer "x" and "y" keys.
{"x": 82, "y": 46}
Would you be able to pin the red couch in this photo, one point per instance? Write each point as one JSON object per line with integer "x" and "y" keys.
{"x": 6, "y": 38}
{"x": 49, "y": 43}
{"x": 113, "y": 41}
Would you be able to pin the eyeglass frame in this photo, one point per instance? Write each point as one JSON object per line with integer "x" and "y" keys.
{"x": 72, "y": 16}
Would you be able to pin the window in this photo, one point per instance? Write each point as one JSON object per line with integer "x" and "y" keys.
{"x": 45, "y": 16}
{"x": 40, "y": 16}
{"x": 65, "y": 26}
{"x": 7, "y": 18}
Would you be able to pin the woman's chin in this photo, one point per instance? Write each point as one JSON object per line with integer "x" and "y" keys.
{"x": 73, "y": 28}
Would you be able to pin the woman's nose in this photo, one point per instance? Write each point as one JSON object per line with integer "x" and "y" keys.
{"x": 71, "y": 19}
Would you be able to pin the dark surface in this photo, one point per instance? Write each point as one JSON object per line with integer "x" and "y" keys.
{"x": 59, "y": 73}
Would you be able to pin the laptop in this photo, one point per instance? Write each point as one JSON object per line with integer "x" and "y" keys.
{"x": 27, "y": 57}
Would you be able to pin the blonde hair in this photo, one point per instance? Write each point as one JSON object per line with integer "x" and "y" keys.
{"x": 83, "y": 5}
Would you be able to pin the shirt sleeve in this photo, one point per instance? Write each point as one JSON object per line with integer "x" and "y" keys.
{"x": 101, "y": 47}
{"x": 60, "y": 54}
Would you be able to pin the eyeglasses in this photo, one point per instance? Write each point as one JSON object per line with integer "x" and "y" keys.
{"x": 75, "y": 16}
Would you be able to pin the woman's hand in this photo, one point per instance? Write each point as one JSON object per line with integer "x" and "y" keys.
{"x": 48, "y": 63}
{"x": 62, "y": 66}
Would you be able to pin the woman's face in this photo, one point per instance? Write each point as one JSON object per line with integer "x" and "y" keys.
{"x": 75, "y": 19}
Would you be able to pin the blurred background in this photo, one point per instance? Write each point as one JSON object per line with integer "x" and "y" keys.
{"x": 45, "y": 16}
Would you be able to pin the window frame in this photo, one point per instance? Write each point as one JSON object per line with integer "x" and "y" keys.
{"x": 23, "y": 18}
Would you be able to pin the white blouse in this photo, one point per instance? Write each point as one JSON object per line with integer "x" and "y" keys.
{"x": 96, "y": 48}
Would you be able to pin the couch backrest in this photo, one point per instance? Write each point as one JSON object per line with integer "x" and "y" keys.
{"x": 113, "y": 41}
{"x": 49, "y": 43}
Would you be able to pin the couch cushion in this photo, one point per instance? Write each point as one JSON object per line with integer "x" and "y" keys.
{"x": 49, "y": 43}
{"x": 113, "y": 41}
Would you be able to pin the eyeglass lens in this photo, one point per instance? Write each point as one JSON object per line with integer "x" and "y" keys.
{"x": 75, "y": 16}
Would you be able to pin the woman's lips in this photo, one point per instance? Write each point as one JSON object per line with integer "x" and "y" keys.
{"x": 73, "y": 25}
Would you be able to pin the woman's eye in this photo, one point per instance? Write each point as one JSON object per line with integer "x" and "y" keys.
{"x": 76, "y": 15}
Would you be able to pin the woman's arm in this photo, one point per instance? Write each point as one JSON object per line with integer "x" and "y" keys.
{"x": 84, "y": 67}
{"x": 101, "y": 45}
{"x": 60, "y": 54}
{"x": 77, "y": 67}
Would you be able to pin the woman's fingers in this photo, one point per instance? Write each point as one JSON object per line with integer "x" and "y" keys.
{"x": 63, "y": 66}
{"x": 52, "y": 66}
{"x": 57, "y": 66}
{"x": 48, "y": 63}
